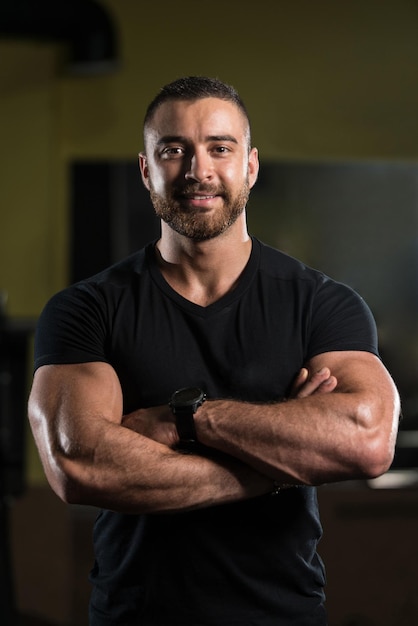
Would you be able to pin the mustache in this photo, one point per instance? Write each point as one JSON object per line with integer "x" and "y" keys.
{"x": 190, "y": 189}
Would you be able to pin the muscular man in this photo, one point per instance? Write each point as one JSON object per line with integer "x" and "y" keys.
{"x": 208, "y": 502}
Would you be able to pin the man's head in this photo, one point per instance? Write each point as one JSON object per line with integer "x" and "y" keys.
{"x": 198, "y": 164}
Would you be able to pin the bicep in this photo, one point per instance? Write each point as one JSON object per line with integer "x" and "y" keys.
{"x": 69, "y": 403}
{"x": 356, "y": 371}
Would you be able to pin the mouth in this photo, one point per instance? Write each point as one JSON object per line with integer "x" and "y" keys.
{"x": 199, "y": 191}
{"x": 202, "y": 199}
{"x": 198, "y": 196}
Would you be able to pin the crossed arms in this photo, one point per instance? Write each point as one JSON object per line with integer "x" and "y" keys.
{"x": 334, "y": 427}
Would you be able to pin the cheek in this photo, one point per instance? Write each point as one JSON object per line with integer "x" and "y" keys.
{"x": 235, "y": 176}
{"x": 162, "y": 178}
{"x": 156, "y": 180}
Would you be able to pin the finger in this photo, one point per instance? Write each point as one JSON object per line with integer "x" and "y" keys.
{"x": 299, "y": 381}
{"x": 327, "y": 386}
{"x": 314, "y": 382}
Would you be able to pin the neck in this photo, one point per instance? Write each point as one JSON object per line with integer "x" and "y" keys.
{"x": 203, "y": 271}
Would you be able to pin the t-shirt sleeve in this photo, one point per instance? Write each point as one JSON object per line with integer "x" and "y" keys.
{"x": 72, "y": 328}
{"x": 341, "y": 320}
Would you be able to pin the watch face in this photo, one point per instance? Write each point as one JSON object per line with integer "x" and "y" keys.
{"x": 187, "y": 396}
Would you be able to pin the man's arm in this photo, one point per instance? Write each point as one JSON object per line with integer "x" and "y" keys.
{"x": 316, "y": 438}
{"x": 75, "y": 413}
{"x": 158, "y": 423}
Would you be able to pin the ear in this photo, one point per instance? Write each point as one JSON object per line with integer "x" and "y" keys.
{"x": 253, "y": 166}
{"x": 142, "y": 161}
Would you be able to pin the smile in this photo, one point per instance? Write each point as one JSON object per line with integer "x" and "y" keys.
{"x": 197, "y": 197}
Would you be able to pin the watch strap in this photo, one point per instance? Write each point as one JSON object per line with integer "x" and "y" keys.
{"x": 185, "y": 424}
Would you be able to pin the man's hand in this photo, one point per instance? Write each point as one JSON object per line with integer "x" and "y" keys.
{"x": 156, "y": 423}
{"x": 307, "y": 384}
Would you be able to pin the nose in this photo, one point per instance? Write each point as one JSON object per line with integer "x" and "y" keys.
{"x": 200, "y": 168}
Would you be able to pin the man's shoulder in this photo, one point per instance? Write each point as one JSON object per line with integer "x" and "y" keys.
{"x": 295, "y": 275}
{"x": 280, "y": 264}
{"x": 104, "y": 288}
{"x": 121, "y": 272}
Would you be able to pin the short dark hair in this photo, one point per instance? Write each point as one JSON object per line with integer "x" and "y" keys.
{"x": 195, "y": 88}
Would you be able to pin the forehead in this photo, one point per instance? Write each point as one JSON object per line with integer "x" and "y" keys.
{"x": 195, "y": 119}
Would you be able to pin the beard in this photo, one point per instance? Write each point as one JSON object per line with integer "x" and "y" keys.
{"x": 194, "y": 224}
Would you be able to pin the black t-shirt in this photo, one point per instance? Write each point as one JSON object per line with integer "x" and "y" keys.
{"x": 251, "y": 563}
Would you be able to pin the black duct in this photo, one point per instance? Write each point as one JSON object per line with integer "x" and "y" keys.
{"x": 82, "y": 24}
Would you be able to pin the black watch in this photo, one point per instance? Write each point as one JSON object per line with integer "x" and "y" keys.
{"x": 184, "y": 404}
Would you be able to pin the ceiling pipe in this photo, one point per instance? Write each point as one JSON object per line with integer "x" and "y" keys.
{"x": 84, "y": 25}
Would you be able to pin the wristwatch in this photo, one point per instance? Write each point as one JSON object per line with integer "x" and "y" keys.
{"x": 184, "y": 404}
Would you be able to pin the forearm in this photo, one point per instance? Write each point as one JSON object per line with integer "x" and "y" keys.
{"x": 308, "y": 440}
{"x": 115, "y": 468}
{"x": 284, "y": 441}
{"x": 315, "y": 436}
{"x": 154, "y": 478}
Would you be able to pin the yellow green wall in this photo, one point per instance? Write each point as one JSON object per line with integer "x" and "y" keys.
{"x": 322, "y": 80}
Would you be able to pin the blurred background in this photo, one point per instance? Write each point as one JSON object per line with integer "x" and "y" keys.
{"x": 332, "y": 92}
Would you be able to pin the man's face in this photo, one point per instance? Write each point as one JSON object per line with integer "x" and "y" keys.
{"x": 197, "y": 165}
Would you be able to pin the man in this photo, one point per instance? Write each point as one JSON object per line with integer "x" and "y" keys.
{"x": 209, "y": 512}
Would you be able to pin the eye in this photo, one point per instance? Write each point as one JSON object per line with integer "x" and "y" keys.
{"x": 221, "y": 149}
{"x": 172, "y": 152}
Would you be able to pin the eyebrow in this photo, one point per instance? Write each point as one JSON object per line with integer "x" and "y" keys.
{"x": 180, "y": 139}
